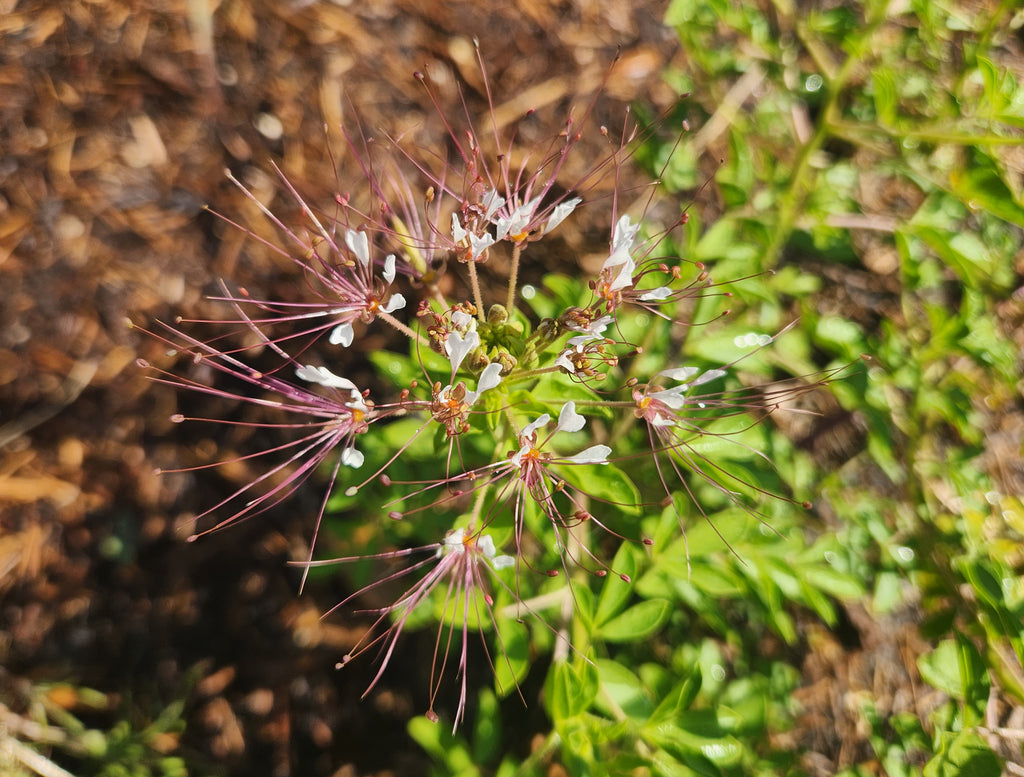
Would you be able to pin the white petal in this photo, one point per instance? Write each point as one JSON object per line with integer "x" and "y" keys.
{"x": 492, "y": 201}
{"x": 389, "y": 268}
{"x": 681, "y": 374}
{"x": 455, "y": 539}
{"x": 489, "y": 378}
{"x": 569, "y": 420}
{"x": 458, "y": 347}
{"x": 458, "y": 233}
{"x": 357, "y": 402}
{"x": 502, "y": 227}
{"x": 486, "y": 546}
{"x": 350, "y": 457}
{"x": 599, "y": 325}
{"x": 625, "y": 277}
{"x": 625, "y": 232}
{"x": 502, "y": 562}
{"x": 342, "y": 334}
{"x": 479, "y": 244}
{"x": 563, "y": 361}
{"x": 656, "y": 295}
{"x": 517, "y": 457}
{"x": 359, "y": 244}
{"x": 672, "y": 397}
{"x": 561, "y": 212}
{"x": 461, "y": 319}
{"x": 397, "y": 302}
{"x": 529, "y": 429}
{"x": 324, "y": 377}
{"x": 616, "y": 257}
{"x": 708, "y": 376}
{"x": 595, "y": 454}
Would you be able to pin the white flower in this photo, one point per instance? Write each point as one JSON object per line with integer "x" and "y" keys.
{"x": 673, "y": 397}
{"x": 350, "y": 457}
{"x": 458, "y": 233}
{"x": 561, "y": 212}
{"x": 458, "y": 347}
{"x": 569, "y": 420}
{"x": 489, "y": 378}
{"x": 518, "y": 221}
{"x": 593, "y": 331}
{"x": 622, "y": 240}
{"x": 396, "y": 302}
{"x": 656, "y": 295}
{"x": 461, "y": 319}
{"x": 324, "y": 377}
{"x": 622, "y": 245}
{"x": 595, "y": 454}
{"x": 389, "y": 269}
{"x": 342, "y": 334}
{"x": 456, "y": 542}
{"x": 478, "y": 244}
{"x": 492, "y": 201}
{"x": 358, "y": 244}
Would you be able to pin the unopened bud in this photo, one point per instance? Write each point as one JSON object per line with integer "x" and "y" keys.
{"x": 507, "y": 361}
{"x": 498, "y": 314}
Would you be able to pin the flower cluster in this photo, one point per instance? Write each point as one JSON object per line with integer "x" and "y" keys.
{"x": 506, "y": 415}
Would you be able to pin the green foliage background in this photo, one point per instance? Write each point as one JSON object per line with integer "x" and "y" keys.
{"x": 871, "y": 156}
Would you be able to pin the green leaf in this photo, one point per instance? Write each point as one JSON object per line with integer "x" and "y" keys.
{"x": 833, "y": 582}
{"x": 570, "y": 690}
{"x": 623, "y": 687}
{"x": 697, "y": 733}
{"x": 615, "y": 591}
{"x": 680, "y": 699}
{"x": 513, "y": 659}
{"x": 956, "y": 668}
{"x": 636, "y": 623}
{"x": 983, "y": 187}
{"x": 487, "y": 729}
{"x": 963, "y": 754}
{"x": 553, "y": 390}
{"x": 604, "y": 483}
